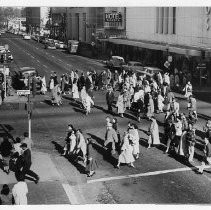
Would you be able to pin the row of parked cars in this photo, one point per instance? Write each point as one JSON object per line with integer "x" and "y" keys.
{"x": 49, "y": 43}
{"x": 118, "y": 63}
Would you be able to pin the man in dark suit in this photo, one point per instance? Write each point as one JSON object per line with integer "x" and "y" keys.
{"x": 26, "y": 161}
{"x": 110, "y": 98}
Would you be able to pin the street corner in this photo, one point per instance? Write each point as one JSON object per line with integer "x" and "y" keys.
{"x": 43, "y": 165}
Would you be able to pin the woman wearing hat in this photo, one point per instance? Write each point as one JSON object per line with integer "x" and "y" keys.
{"x": 91, "y": 163}
{"x": 126, "y": 155}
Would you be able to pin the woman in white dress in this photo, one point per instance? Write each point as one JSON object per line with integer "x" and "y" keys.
{"x": 126, "y": 155}
{"x": 57, "y": 99}
{"x": 83, "y": 96}
{"x": 43, "y": 88}
{"x": 153, "y": 133}
{"x": 188, "y": 90}
{"x": 88, "y": 103}
{"x": 75, "y": 93}
{"x": 120, "y": 104}
{"x": 135, "y": 138}
{"x": 160, "y": 102}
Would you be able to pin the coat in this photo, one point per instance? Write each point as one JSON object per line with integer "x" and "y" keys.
{"x": 154, "y": 133}
{"x": 135, "y": 139}
{"x": 126, "y": 155}
{"x": 110, "y": 97}
{"x": 120, "y": 104}
{"x": 75, "y": 91}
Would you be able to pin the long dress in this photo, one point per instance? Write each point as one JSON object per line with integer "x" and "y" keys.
{"x": 43, "y": 88}
{"x": 120, "y": 104}
{"x": 183, "y": 148}
{"x": 75, "y": 91}
{"x": 126, "y": 155}
{"x": 57, "y": 94}
{"x": 135, "y": 134}
{"x": 154, "y": 133}
{"x": 82, "y": 145}
{"x": 83, "y": 97}
{"x": 150, "y": 108}
{"x": 88, "y": 103}
{"x": 160, "y": 102}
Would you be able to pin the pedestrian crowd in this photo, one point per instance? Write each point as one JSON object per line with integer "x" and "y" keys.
{"x": 16, "y": 156}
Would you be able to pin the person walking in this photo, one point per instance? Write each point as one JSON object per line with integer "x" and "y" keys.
{"x": 188, "y": 89}
{"x": 111, "y": 139}
{"x": 6, "y": 196}
{"x": 153, "y": 133}
{"x": 110, "y": 98}
{"x": 120, "y": 104}
{"x": 81, "y": 144}
{"x": 20, "y": 191}
{"x": 88, "y": 103}
{"x": 150, "y": 107}
{"x": 75, "y": 93}
{"x": 135, "y": 138}
{"x": 43, "y": 86}
{"x": 91, "y": 163}
{"x": 190, "y": 140}
{"x": 27, "y": 162}
{"x": 126, "y": 155}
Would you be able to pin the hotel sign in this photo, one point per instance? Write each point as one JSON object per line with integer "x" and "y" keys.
{"x": 113, "y": 17}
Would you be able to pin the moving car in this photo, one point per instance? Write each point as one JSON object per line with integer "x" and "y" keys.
{"x": 26, "y": 37}
{"x": 133, "y": 66}
{"x": 72, "y": 46}
{"x": 50, "y": 45}
{"x": 149, "y": 71}
{"x": 21, "y": 74}
{"x": 115, "y": 62}
{"x": 60, "y": 45}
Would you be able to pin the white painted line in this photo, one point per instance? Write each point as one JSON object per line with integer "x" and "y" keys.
{"x": 69, "y": 64}
{"x": 45, "y": 66}
{"x": 32, "y": 56}
{"x": 143, "y": 174}
{"x": 53, "y": 56}
{"x": 72, "y": 198}
{"x": 38, "y": 61}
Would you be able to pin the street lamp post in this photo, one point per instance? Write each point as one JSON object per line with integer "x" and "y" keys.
{"x": 29, "y": 111}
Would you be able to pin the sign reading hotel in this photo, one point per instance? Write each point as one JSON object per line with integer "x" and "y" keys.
{"x": 113, "y": 17}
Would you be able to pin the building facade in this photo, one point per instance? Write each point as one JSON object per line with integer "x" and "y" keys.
{"x": 179, "y": 35}
{"x": 36, "y": 19}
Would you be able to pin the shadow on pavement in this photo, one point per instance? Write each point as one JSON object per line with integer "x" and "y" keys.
{"x": 98, "y": 146}
{"x": 5, "y": 130}
{"x": 203, "y": 116}
{"x": 71, "y": 158}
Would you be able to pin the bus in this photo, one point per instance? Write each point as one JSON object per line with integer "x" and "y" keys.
{"x": 72, "y": 46}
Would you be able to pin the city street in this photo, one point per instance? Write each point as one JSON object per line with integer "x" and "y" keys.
{"x": 157, "y": 177}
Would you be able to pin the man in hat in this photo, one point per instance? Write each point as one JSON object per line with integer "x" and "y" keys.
{"x": 111, "y": 138}
{"x": 27, "y": 163}
{"x": 110, "y": 98}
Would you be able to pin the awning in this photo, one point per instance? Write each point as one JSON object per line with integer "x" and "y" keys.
{"x": 158, "y": 46}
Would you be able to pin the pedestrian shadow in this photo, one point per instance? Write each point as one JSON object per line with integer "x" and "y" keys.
{"x": 199, "y": 133}
{"x": 79, "y": 110}
{"x": 98, "y": 146}
{"x": 75, "y": 104}
{"x": 5, "y": 130}
{"x": 48, "y": 102}
{"x": 71, "y": 158}
{"x": 203, "y": 116}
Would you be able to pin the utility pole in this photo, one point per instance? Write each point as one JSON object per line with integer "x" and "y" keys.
{"x": 29, "y": 110}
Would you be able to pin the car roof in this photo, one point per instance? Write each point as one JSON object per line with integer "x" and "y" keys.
{"x": 27, "y": 70}
{"x": 118, "y": 57}
{"x": 152, "y": 68}
{"x": 133, "y": 62}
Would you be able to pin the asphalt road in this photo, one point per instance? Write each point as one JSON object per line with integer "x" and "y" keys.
{"x": 157, "y": 178}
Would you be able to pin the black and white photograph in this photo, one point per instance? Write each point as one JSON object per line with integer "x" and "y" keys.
{"x": 105, "y": 104}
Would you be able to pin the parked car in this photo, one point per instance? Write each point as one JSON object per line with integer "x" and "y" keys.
{"x": 133, "y": 66}
{"x": 26, "y": 37}
{"x": 61, "y": 45}
{"x": 149, "y": 71}
{"x": 115, "y": 62}
{"x": 50, "y": 45}
{"x": 72, "y": 46}
{"x": 19, "y": 75}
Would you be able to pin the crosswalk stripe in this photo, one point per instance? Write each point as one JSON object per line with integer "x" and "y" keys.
{"x": 72, "y": 198}
{"x": 143, "y": 174}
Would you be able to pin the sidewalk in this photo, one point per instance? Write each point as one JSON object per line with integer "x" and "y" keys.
{"x": 49, "y": 190}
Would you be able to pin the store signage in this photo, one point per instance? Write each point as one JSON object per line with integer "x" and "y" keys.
{"x": 113, "y": 17}
{"x": 167, "y": 64}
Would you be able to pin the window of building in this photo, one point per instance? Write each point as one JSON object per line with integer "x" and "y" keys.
{"x": 166, "y": 20}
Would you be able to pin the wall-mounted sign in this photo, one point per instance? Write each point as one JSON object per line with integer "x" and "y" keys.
{"x": 113, "y": 17}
